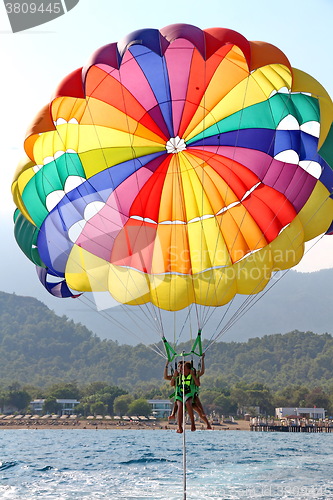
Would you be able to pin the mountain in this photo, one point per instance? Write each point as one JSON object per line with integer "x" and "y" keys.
{"x": 38, "y": 347}
{"x": 291, "y": 301}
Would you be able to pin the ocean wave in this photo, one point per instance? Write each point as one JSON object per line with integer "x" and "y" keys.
{"x": 7, "y": 465}
{"x": 145, "y": 460}
{"x": 43, "y": 469}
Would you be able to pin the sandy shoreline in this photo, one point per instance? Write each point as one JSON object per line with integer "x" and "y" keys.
{"x": 241, "y": 425}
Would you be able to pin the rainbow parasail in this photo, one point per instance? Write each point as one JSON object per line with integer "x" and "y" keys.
{"x": 178, "y": 166}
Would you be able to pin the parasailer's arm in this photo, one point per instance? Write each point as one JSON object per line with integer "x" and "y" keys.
{"x": 174, "y": 377}
{"x": 195, "y": 378}
{"x": 202, "y": 369}
{"x": 166, "y": 376}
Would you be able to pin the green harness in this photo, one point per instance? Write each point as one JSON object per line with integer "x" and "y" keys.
{"x": 172, "y": 354}
{"x": 191, "y": 390}
{"x": 188, "y": 385}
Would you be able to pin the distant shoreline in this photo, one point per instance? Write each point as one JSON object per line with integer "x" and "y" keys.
{"x": 241, "y": 425}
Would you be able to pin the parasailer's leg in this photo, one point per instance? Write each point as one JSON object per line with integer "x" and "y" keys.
{"x": 180, "y": 416}
{"x": 189, "y": 408}
{"x": 174, "y": 411}
{"x": 197, "y": 406}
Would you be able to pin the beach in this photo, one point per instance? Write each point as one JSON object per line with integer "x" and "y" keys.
{"x": 100, "y": 423}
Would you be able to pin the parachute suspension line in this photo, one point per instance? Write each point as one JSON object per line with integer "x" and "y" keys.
{"x": 202, "y": 310}
{"x": 253, "y": 299}
{"x": 243, "y": 309}
{"x": 191, "y": 332}
{"x": 128, "y": 312}
{"x": 187, "y": 318}
{"x": 157, "y": 317}
{"x": 153, "y": 347}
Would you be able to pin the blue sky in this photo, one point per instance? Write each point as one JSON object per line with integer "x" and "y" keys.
{"x": 34, "y": 61}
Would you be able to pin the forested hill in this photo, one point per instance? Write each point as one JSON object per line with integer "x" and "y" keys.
{"x": 292, "y": 300}
{"x": 38, "y": 347}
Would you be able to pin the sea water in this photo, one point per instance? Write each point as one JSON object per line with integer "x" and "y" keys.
{"x": 148, "y": 464}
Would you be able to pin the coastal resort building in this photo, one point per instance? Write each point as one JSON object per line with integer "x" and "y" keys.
{"x": 309, "y": 413}
{"x": 64, "y": 406}
{"x": 161, "y": 408}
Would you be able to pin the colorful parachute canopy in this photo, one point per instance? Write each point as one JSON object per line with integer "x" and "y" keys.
{"x": 178, "y": 166}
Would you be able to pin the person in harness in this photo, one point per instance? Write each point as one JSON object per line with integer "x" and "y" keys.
{"x": 186, "y": 384}
{"x": 196, "y": 403}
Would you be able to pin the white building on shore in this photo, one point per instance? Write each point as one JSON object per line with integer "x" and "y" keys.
{"x": 161, "y": 408}
{"x": 314, "y": 413}
{"x": 65, "y": 406}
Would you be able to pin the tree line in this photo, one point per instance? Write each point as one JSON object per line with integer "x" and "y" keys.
{"x": 38, "y": 347}
{"x": 39, "y": 350}
{"x": 100, "y": 398}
